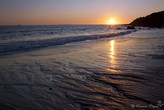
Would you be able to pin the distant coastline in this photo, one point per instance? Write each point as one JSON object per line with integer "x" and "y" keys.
{"x": 153, "y": 20}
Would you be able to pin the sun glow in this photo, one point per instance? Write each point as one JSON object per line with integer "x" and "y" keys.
{"x": 111, "y": 21}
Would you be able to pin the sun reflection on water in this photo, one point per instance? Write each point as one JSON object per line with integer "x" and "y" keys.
{"x": 112, "y": 43}
{"x": 112, "y": 56}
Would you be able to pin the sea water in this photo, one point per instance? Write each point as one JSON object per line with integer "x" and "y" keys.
{"x": 20, "y": 38}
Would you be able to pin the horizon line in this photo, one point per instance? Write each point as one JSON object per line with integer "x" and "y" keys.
{"x": 55, "y": 24}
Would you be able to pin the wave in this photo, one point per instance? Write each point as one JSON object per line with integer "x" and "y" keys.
{"x": 32, "y": 44}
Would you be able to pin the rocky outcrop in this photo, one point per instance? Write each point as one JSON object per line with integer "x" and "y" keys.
{"x": 130, "y": 27}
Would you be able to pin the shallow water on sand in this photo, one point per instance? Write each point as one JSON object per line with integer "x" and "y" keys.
{"x": 124, "y": 72}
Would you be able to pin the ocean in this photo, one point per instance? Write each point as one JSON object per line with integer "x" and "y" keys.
{"x": 20, "y": 38}
{"x": 81, "y": 67}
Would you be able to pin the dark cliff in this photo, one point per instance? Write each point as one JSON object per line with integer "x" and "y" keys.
{"x": 152, "y": 20}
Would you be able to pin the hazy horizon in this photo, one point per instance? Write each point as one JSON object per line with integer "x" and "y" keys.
{"x": 75, "y": 12}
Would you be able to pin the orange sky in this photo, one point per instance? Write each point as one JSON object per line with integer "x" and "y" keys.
{"x": 51, "y": 12}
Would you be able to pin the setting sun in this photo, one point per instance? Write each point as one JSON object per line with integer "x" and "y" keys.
{"x": 111, "y": 21}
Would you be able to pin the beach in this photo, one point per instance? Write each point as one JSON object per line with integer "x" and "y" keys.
{"x": 120, "y": 72}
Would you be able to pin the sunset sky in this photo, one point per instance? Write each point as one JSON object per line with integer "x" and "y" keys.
{"x": 51, "y": 12}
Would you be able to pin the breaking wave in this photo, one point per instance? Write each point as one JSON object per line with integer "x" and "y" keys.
{"x": 32, "y": 44}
